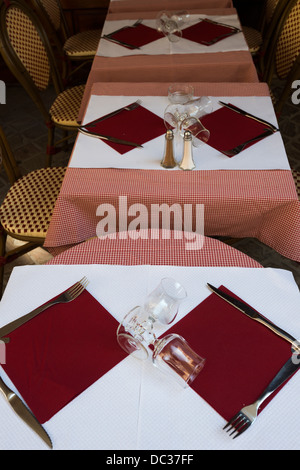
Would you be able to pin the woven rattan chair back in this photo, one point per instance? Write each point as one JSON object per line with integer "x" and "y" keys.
{"x": 27, "y": 52}
{"x": 7, "y": 159}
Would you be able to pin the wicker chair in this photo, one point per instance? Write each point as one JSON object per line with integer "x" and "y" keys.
{"x": 296, "y": 176}
{"x": 258, "y": 39}
{"x": 28, "y": 206}
{"x": 29, "y": 56}
{"x": 80, "y": 47}
{"x": 283, "y": 55}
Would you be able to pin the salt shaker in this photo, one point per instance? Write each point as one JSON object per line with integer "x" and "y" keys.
{"x": 187, "y": 162}
{"x": 168, "y": 160}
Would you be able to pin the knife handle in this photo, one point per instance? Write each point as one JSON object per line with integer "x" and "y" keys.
{"x": 279, "y": 332}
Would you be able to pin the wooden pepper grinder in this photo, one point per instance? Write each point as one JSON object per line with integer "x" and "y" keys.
{"x": 187, "y": 162}
{"x": 168, "y": 160}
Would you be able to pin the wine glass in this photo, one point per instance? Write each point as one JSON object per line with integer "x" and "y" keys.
{"x": 136, "y": 331}
{"x": 180, "y": 93}
{"x": 199, "y": 133}
{"x": 168, "y": 26}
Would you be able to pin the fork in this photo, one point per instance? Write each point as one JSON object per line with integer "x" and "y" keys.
{"x": 129, "y": 107}
{"x": 247, "y": 415}
{"x": 67, "y": 296}
{"x": 234, "y": 151}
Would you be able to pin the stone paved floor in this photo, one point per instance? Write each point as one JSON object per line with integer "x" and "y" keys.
{"x": 27, "y": 136}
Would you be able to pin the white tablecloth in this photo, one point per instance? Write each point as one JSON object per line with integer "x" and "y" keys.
{"x": 161, "y": 46}
{"x": 134, "y": 406}
{"x": 267, "y": 154}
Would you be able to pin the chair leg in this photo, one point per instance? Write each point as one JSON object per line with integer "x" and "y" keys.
{"x": 50, "y": 145}
{"x": 3, "y": 237}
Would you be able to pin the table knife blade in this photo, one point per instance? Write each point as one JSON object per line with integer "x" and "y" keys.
{"x": 251, "y": 313}
{"x": 251, "y": 116}
{"x": 110, "y": 138}
{"x": 24, "y": 413}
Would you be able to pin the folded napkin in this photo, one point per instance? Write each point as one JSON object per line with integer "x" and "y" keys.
{"x": 242, "y": 355}
{"x": 138, "y": 125}
{"x": 58, "y": 354}
{"x": 229, "y": 129}
{"x": 137, "y": 36}
{"x": 206, "y": 32}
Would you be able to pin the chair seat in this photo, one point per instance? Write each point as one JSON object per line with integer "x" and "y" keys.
{"x": 28, "y": 206}
{"x": 83, "y": 45}
{"x": 253, "y": 39}
{"x": 296, "y": 175}
{"x": 64, "y": 111}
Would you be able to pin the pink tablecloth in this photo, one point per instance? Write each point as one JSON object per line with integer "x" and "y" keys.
{"x": 235, "y": 66}
{"x": 237, "y": 203}
{"x": 155, "y": 250}
{"x": 157, "y": 5}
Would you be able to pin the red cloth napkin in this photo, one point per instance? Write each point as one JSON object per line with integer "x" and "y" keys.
{"x": 242, "y": 356}
{"x": 138, "y": 36}
{"x": 229, "y": 129}
{"x": 205, "y": 32}
{"x": 139, "y": 126}
{"x": 61, "y": 352}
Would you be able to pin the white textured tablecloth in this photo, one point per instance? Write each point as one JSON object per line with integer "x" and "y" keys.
{"x": 267, "y": 154}
{"x": 236, "y": 42}
{"x": 134, "y": 406}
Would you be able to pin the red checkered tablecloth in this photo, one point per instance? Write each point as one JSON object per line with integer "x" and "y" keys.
{"x": 157, "y": 5}
{"x": 151, "y": 248}
{"x": 237, "y": 203}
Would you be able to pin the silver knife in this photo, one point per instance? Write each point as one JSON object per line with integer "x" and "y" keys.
{"x": 120, "y": 43}
{"x": 24, "y": 413}
{"x": 129, "y": 107}
{"x": 251, "y": 116}
{"x": 250, "y": 312}
{"x": 109, "y": 138}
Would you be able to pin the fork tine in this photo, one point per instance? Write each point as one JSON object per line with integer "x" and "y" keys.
{"x": 77, "y": 288}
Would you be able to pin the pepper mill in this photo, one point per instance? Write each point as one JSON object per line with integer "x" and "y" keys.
{"x": 187, "y": 162}
{"x": 168, "y": 160}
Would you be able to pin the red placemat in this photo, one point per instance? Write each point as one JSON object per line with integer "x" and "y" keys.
{"x": 138, "y": 125}
{"x": 207, "y": 33}
{"x": 229, "y": 129}
{"x": 61, "y": 352}
{"x": 242, "y": 356}
{"x": 137, "y": 36}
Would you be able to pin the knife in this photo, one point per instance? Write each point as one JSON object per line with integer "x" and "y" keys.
{"x": 24, "y": 413}
{"x": 120, "y": 43}
{"x": 109, "y": 138}
{"x": 237, "y": 30}
{"x": 250, "y": 312}
{"x": 251, "y": 116}
{"x": 129, "y": 107}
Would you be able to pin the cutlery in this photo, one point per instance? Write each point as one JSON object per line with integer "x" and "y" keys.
{"x": 216, "y": 39}
{"x": 109, "y": 138}
{"x": 247, "y": 415}
{"x": 238, "y": 30}
{"x": 251, "y": 116}
{"x": 129, "y": 107}
{"x": 24, "y": 413}
{"x": 67, "y": 296}
{"x": 234, "y": 151}
{"x": 134, "y": 25}
{"x": 120, "y": 43}
{"x": 250, "y": 312}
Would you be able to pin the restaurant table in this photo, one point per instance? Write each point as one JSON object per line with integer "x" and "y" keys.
{"x": 157, "y": 5}
{"x": 134, "y": 406}
{"x": 179, "y": 62}
{"x": 252, "y": 195}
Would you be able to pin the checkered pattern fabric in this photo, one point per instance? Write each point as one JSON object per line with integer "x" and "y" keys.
{"x": 28, "y": 205}
{"x": 64, "y": 110}
{"x": 83, "y": 44}
{"x": 157, "y": 248}
{"x": 296, "y": 175}
{"x": 28, "y": 46}
{"x": 288, "y": 45}
{"x": 53, "y": 11}
{"x": 253, "y": 38}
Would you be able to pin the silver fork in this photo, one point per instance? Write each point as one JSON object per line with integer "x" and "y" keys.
{"x": 130, "y": 107}
{"x": 247, "y": 415}
{"x": 67, "y": 296}
{"x": 234, "y": 151}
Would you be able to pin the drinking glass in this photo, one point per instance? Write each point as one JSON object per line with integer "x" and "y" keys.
{"x": 199, "y": 133}
{"x": 168, "y": 26}
{"x": 180, "y": 93}
{"x": 198, "y": 107}
{"x": 174, "y": 357}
